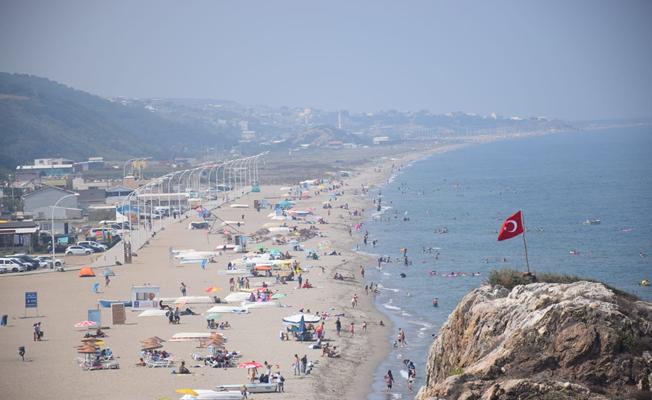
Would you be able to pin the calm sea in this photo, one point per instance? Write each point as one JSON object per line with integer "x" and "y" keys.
{"x": 558, "y": 181}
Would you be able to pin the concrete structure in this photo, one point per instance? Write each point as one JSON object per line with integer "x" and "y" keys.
{"x": 39, "y": 203}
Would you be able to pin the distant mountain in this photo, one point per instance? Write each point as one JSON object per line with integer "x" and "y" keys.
{"x": 42, "y": 118}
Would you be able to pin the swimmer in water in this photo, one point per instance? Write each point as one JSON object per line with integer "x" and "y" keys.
{"x": 435, "y": 302}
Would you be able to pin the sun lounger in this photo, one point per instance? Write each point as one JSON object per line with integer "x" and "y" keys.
{"x": 159, "y": 363}
{"x": 251, "y": 387}
{"x": 213, "y": 395}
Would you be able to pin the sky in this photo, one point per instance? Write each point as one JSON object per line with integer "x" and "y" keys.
{"x": 581, "y": 59}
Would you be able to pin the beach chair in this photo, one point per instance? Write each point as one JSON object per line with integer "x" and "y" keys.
{"x": 159, "y": 363}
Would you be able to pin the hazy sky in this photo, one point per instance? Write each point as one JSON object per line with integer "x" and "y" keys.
{"x": 568, "y": 59}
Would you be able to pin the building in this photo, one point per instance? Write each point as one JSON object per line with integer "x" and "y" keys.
{"x": 381, "y": 140}
{"x": 39, "y": 204}
{"x": 93, "y": 164}
{"x": 18, "y": 236}
{"x": 117, "y": 194}
{"x": 91, "y": 197}
{"x": 44, "y": 168}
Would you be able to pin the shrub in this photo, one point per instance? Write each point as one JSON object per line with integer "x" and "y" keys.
{"x": 509, "y": 278}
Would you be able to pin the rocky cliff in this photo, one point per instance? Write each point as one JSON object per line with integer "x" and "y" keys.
{"x": 543, "y": 341}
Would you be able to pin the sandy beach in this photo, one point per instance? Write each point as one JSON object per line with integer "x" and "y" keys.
{"x": 64, "y": 299}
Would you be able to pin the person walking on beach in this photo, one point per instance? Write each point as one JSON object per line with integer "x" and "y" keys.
{"x": 352, "y": 329}
{"x": 183, "y": 289}
{"x": 300, "y": 280}
{"x": 304, "y": 364}
{"x": 362, "y": 271}
{"x": 107, "y": 280}
{"x": 354, "y": 300}
{"x": 389, "y": 380}
{"x": 338, "y": 326}
{"x": 296, "y": 365}
{"x": 364, "y": 326}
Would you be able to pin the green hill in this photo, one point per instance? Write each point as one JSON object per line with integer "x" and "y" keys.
{"x": 42, "y": 118}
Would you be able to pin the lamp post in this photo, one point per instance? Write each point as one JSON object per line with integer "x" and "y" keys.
{"x": 52, "y": 226}
{"x": 124, "y": 167}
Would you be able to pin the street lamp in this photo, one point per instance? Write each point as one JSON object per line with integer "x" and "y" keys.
{"x": 124, "y": 167}
{"x": 52, "y": 226}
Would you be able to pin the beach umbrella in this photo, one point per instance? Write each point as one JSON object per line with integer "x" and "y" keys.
{"x": 212, "y": 316}
{"x": 307, "y": 318}
{"x": 279, "y": 296}
{"x": 187, "y": 391}
{"x": 212, "y": 289}
{"x": 85, "y": 324}
{"x": 153, "y": 339}
{"x": 151, "y": 346}
{"x": 86, "y": 349}
{"x": 250, "y": 364}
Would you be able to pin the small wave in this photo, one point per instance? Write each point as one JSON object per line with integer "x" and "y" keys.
{"x": 423, "y": 324}
{"x": 366, "y": 253}
{"x": 389, "y": 289}
{"x": 386, "y": 273}
{"x": 383, "y": 210}
{"x": 405, "y": 314}
{"x": 391, "y": 307}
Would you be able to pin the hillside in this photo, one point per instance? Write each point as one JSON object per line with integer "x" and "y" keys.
{"x": 42, "y": 118}
{"x": 575, "y": 341}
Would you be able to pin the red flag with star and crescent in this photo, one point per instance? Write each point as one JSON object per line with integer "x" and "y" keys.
{"x": 513, "y": 226}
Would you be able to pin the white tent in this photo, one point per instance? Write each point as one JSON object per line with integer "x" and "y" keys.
{"x": 307, "y": 318}
{"x": 260, "y": 304}
{"x": 152, "y": 313}
{"x": 227, "y": 309}
{"x": 236, "y": 297}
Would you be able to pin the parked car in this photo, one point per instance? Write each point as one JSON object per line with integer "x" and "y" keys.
{"x": 59, "y": 248}
{"x": 11, "y": 265}
{"x": 30, "y": 262}
{"x": 78, "y": 251}
{"x": 96, "y": 247}
{"x": 47, "y": 260}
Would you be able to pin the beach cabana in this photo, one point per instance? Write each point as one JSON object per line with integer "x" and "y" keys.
{"x": 86, "y": 272}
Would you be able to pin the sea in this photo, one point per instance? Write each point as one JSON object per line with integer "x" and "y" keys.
{"x": 446, "y": 210}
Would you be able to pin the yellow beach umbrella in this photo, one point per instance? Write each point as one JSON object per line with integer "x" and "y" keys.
{"x": 187, "y": 391}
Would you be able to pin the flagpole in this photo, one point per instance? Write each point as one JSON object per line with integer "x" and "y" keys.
{"x": 527, "y": 262}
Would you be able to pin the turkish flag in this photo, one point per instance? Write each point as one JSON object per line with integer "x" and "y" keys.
{"x": 513, "y": 226}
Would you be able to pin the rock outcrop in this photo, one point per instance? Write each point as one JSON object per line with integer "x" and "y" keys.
{"x": 543, "y": 341}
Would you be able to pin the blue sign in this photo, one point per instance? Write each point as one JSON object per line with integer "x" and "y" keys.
{"x": 31, "y": 299}
{"x": 95, "y": 316}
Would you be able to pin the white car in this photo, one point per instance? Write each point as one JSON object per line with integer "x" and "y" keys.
{"x": 78, "y": 251}
{"x": 11, "y": 265}
{"x": 93, "y": 245}
{"x": 46, "y": 261}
